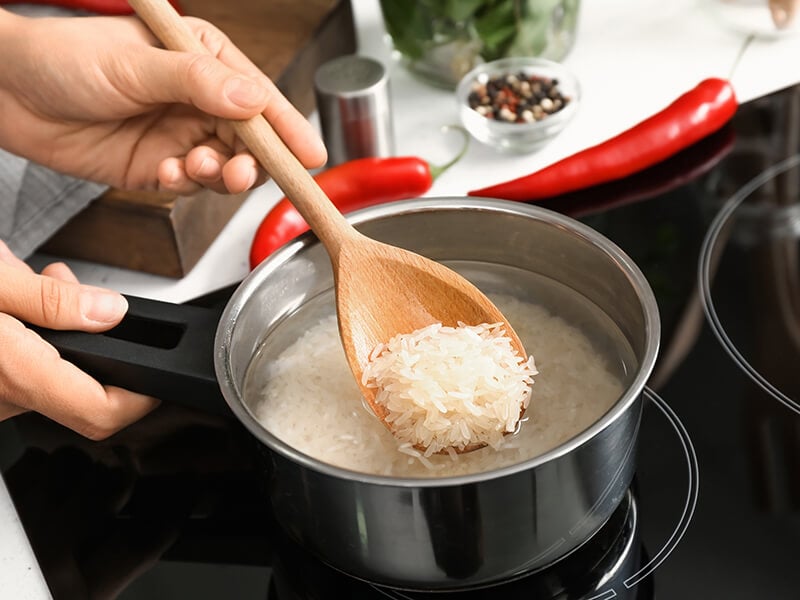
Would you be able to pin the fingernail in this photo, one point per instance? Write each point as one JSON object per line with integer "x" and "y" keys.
{"x": 251, "y": 179}
{"x": 102, "y": 306}
{"x": 209, "y": 168}
{"x": 321, "y": 149}
{"x": 780, "y": 17}
{"x": 244, "y": 92}
{"x": 171, "y": 174}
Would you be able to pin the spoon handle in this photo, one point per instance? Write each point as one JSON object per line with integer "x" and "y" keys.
{"x": 258, "y": 135}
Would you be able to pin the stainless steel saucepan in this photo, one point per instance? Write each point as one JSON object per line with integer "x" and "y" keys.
{"x": 426, "y": 533}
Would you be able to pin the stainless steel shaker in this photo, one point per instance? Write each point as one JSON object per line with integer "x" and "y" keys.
{"x": 355, "y": 114}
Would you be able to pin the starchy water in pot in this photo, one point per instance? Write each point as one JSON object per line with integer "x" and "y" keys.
{"x": 300, "y": 388}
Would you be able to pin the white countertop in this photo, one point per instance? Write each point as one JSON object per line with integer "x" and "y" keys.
{"x": 632, "y": 59}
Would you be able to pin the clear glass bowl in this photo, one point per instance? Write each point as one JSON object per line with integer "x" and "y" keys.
{"x": 515, "y": 136}
{"x": 440, "y": 40}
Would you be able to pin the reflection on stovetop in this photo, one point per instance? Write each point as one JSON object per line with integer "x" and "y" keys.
{"x": 180, "y": 488}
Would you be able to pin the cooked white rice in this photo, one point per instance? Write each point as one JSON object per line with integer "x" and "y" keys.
{"x": 309, "y": 399}
{"x": 451, "y": 387}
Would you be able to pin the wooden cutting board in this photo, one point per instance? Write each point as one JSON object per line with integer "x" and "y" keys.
{"x": 167, "y": 234}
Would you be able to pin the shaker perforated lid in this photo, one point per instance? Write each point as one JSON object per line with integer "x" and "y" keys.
{"x": 353, "y": 101}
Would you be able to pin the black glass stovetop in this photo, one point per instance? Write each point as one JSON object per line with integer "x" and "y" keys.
{"x": 174, "y": 506}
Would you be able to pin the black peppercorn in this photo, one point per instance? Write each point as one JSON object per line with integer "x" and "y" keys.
{"x": 517, "y": 97}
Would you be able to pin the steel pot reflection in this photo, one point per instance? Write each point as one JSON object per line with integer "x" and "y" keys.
{"x": 470, "y": 530}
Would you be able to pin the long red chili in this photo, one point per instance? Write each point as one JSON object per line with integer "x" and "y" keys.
{"x": 351, "y": 185}
{"x": 691, "y": 117}
{"x": 670, "y": 174}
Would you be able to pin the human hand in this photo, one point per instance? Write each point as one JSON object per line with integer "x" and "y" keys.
{"x": 97, "y": 98}
{"x": 783, "y": 12}
{"x": 33, "y": 377}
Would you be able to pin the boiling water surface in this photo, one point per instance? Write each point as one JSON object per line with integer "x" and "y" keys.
{"x": 300, "y": 388}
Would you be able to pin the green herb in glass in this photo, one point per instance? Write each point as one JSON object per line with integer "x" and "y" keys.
{"x": 441, "y": 40}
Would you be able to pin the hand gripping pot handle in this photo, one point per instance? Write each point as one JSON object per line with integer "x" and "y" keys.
{"x": 160, "y": 349}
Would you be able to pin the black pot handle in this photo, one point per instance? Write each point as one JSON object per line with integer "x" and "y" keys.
{"x": 160, "y": 349}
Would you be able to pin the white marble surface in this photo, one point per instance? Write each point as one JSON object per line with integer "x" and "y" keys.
{"x": 632, "y": 59}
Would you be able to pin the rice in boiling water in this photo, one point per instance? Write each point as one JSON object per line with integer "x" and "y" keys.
{"x": 308, "y": 398}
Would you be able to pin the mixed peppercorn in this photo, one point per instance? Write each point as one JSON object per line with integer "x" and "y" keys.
{"x": 516, "y": 97}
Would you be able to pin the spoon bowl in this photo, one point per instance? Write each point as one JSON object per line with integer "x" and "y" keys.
{"x": 381, "y": 290}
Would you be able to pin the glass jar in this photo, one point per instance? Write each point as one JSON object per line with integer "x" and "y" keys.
{"x": 441, "y": 40}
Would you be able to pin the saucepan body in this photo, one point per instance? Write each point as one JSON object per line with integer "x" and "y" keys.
{"x": 458, "y": 531}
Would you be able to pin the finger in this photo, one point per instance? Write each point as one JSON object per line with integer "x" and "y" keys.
{"x": 172, "y": 177}
{"x": 163, "y": 76}
{"x": 241, "y": 173}
{"x": 203, "y": 164}
{"x": 220, "y": 46}
{"x": 38, "y": 379}
{"x": 783, "y": 12}
{"x": 207, "y": 174}
{"x": 227, "y": 84}
{"x": 295, "y": 130}
{"x": 11, "y": 259}
{"x": 213, "y": 167}
{"x": 56, "y": 304}
{"x": 60, "y": 271}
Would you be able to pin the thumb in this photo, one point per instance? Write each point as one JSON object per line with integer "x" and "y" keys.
{"x": 165, "y": 76}
{"x": 56, "y": 304}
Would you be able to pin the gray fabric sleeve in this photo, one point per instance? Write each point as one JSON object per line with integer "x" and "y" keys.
{"x": 35, "y": 202}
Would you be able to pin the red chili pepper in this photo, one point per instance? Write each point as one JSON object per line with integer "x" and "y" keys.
{"x": 672, "y": 173}
{"x": 351, "y": 185}
{"x": 691, "y": 117}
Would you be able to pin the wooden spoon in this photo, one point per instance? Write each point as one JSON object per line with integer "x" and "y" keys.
{"x": 381, "y": 290}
